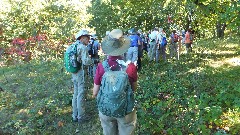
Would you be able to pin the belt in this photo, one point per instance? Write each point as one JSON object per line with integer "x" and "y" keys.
{"x": 153, "y": 40}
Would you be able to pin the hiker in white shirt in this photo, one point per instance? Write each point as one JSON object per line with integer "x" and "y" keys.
{"x": 161, "y": 48}
{"x": 153, "y": 44}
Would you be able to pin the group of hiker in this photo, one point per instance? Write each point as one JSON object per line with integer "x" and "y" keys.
{"x": 157, "y": 42}
{"x": 115, "y": 78}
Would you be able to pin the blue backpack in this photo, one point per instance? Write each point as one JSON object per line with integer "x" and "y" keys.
{"x": 115, "y": 97}
{"x": 164, "y": 41}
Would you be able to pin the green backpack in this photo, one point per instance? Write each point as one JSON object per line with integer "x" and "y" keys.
{"x": 70, "y": 59}
{"x": 115, "y": 97}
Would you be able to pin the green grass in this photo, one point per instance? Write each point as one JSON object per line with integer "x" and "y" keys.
{"x": 36, "y": 99}
{"x": 198, "y": 94}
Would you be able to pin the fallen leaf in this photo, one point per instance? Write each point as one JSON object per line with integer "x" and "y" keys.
{"x": 40, "y": 113}
{"x": 60, "y": 124}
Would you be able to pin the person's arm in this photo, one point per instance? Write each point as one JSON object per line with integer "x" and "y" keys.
{"x": 97, "y": 79}
{"x": 95, "y": 90}
{"x": 139, "y": 43}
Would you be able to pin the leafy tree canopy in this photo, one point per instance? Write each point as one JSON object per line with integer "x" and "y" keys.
{"x": 203, "y": 16}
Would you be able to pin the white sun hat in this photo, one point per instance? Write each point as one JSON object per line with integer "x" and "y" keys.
{"x": 82, "y": 33}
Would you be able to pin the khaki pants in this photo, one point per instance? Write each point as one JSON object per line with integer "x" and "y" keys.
{"x": 79, "y": 95}
{"x": 152, "y": 50}
{"x": 119, "y": 126}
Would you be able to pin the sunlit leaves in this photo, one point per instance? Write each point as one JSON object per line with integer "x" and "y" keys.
{"x": 201, "y": 15}
{"x": 57, "y": 19}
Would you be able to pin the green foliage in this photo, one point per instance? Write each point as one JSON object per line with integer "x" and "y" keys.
{"x": 44, "y": 27}
{"x": 201, "y": 15}
{"x": 190, "y": 96}
{"x": 57, "y": 19}
{"x": 199, "y": 94}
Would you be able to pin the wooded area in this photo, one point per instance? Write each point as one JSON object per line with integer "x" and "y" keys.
{"x": 49, "y": 25}
{"x": 198, "y": 94}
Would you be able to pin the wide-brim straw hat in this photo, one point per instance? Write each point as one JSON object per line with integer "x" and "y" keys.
{"x": 115, "y": 43}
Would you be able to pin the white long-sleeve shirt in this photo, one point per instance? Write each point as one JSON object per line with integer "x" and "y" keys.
{"x": 153, "y": 35}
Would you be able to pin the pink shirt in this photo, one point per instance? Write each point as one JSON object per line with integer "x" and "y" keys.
{"x": 131, "y": 70}
{"x": 187, "y": 38}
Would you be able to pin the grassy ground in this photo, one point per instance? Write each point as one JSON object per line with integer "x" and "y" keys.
{"x": 35, "y": 98}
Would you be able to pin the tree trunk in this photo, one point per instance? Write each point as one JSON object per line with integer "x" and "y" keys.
{"x": 220, "y": 29}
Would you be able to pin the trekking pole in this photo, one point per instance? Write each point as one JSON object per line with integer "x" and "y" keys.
{"x": 178, "y": 52}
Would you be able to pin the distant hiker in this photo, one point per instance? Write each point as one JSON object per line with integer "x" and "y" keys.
{"x": 114, "y": 84}
{"x": 162, "y": 43}
{"x": 93, "y": 48}
{"x": 192, "y": 36}
{"x": 146, "y": 42}
{"x": 179, "y": 49}
{"x": 132, "y": 53}
{"x": 78, "y": 78}
{"x": 174, "y": 44}
{"x": 183, "y": 37}
{"x": 153, "y": 44}
{"x": 140, "y": 49}
{"x": 188, "y": 41}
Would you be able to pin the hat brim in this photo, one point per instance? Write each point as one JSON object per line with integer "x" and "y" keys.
{"x": 86, "y": 35}
{"x": 94, "y": 36}
{"x": 108, "y": 48}
{"x": 77, "y": 37}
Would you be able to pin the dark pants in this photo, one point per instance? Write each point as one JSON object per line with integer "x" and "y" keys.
{"x": 189, "y": 47}
{"x": 145, "y": 47}
{"x": 139, "y": 64}
{"x": 163, "y": 51}
{"x": 139, "y": 61}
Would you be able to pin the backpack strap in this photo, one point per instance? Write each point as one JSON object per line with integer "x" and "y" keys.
{"x": 106, "y": 65}
{"x": 108, "y": 68}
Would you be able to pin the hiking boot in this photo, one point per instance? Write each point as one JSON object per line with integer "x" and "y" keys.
{"x": 84, "y": 118}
